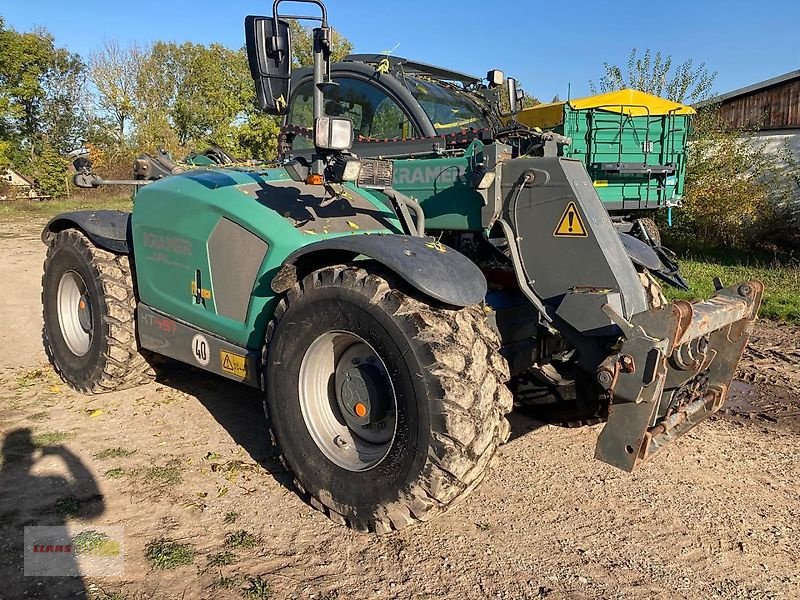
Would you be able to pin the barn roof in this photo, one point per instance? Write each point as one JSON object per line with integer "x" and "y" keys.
{"x": 749, "y": 89}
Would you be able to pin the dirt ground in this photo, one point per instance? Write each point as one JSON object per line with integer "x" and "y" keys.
{"x": 716, "y": 515}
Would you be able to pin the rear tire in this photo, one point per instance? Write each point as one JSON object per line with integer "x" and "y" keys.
{"x": 443, "y": 377}
{"x": 89, "y": 306}
{"x": 649, "y": 227}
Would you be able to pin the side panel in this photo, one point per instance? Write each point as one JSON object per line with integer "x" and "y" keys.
{"x": 235, "y": 255}
{"x": 443, "y": 187}
{"x": 208, "y": 243}
{"x": 177, "y": 340}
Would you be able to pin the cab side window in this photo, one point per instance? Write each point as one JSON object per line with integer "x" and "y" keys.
{"x": 375, "y": 115}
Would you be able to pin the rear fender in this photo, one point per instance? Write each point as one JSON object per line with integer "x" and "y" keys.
{"x": 429, "y": 266}
{"x": 107, "y": 229}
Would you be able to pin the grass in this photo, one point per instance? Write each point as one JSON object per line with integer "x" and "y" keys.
{"x": 39, "y": 416}
{"x": 781, "y": 280}
{"x": 102, "y": 594}
{"x": 113, "y": 453}
{"x": 50, "y": 438}
{"x": 162, "y": 475}
{"x": 167, "y": 554}
{"x": 230, "y": 517}
{"x": 67, "y": 506}
{"x": 116, "y": 473}
{"x": 88, "y": 540}
{"x": 257, "y": 588}
{"x": 220, "y": 559}
{"x": 241, "y": 539}
{"x": 226, "y": 583}
{"x": 23, "y": 209}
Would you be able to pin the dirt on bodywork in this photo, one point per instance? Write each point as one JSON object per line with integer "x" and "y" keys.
{"x": 185, "y": 467}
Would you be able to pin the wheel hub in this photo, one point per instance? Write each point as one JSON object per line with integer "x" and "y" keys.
{"x": 347, "y": 400}
{"x": 74, "y": 313}
{"x": 360, "y": 388}
{"x": 85, "y": 313}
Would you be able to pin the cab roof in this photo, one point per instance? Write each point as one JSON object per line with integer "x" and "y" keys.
{"x": 411, "y": 67}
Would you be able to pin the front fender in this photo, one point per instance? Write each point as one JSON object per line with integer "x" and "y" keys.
{"x": 107, "y": 229}
{"x": 429, "y": 266}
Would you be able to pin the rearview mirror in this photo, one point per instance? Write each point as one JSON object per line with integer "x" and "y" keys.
{"x": 513, "y": 97}
{"x": 269, "y": 55}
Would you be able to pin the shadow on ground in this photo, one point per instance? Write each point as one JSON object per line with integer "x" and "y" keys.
{"x": 28, "y": 500}
{"x": 236, "y": 407}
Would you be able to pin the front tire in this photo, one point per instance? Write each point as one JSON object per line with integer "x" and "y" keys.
{"x": 432, "y": 389}
{"x": 89, "y": 304}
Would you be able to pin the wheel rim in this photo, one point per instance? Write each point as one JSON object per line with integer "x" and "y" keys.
{"x": 74, "y": 313}
{"x": 348, "y": 401}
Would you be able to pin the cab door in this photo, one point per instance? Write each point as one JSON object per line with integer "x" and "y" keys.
{"x": 379, "y": 113}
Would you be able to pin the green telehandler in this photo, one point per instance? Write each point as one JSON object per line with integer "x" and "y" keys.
{"x": 383, "y": 353}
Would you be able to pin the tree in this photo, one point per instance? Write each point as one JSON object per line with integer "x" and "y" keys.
{"x": 654, "y": 74}
{"x": 213, "y": 91}
{"x": 40, "y": 90}
{"x": 737, "y": 191}
{"x": 156, "y": 90}
{"x": 50, "y": 170}
{"x": 113, "y": 70}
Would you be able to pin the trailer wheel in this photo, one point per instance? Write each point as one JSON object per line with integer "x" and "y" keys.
{"x": 88, "y": 304}
{"x": 385, "y": 408}
{"x": 649, "y": 227}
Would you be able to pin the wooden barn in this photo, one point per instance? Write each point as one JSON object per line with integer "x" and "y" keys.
{"x": 770, "y": 105}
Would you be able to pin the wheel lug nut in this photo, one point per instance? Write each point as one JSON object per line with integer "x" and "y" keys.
{"x": 340, "y": 441}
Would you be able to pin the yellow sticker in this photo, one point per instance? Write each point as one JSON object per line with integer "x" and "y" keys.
{"x": 601, "y": 183}
{"x": 570, "y": 223}
{"x": 233, "y": 364}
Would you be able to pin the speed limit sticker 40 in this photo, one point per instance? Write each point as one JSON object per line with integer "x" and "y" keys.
{"x": 200, "y": 350}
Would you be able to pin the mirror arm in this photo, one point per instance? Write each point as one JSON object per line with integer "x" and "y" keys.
{"x": 319, "y": 3}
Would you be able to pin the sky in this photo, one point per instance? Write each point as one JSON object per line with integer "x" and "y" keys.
{"x": 551, "y": 47}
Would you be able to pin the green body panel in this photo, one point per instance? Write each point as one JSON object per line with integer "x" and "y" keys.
{"x": 600, "y": 136}
{"x": 443, "y": 187}
{"x": 172, "y": 221}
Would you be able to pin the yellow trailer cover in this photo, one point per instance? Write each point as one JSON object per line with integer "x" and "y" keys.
{"x": 629, "y": 102}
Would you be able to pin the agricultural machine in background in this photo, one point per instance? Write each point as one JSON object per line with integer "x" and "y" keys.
{"x": 384, "y": 352}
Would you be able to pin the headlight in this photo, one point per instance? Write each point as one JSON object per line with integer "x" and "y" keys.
{"x": 346, "y": 168}
{"x": 331, "y": 133}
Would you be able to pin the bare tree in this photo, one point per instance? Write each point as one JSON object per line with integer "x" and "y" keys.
{"x": 654, "y": 74}
{"x": 113, "y": 70}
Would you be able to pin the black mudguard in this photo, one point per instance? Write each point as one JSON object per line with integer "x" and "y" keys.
{"x": 107, "y": 229}
{"x": 432, "y": 268}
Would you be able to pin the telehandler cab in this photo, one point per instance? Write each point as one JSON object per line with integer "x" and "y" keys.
{"x": 383, "y": 353}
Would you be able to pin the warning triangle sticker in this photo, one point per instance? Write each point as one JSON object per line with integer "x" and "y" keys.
{"x": 227, "y": 364}
{"x": 570, "y": 224}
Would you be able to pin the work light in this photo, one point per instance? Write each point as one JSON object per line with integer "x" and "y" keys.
{"x": 331, "y": 133}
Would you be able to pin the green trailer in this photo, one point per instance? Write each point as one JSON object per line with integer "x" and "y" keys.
{"x": 632, "y": 143}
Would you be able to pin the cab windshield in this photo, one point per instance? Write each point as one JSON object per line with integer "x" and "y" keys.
{"x": 449, "y": 110}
